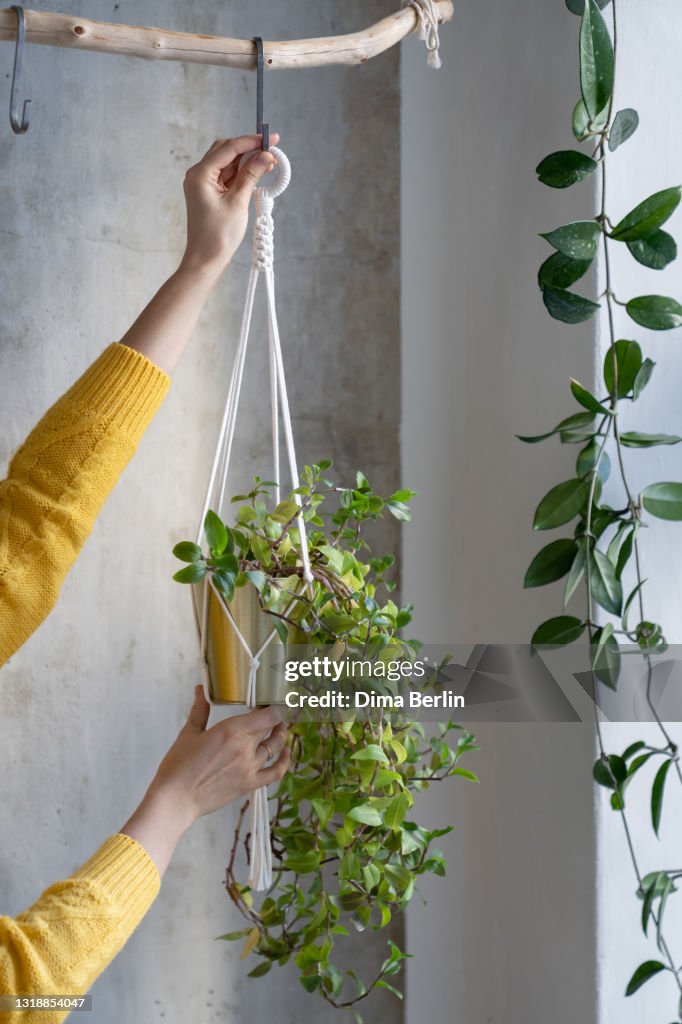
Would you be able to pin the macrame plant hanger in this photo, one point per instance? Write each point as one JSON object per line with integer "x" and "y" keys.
{"x": 261, "y": 268}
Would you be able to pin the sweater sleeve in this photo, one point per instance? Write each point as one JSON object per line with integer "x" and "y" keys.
{"x": 65, "y": 940}
{"x": 60, "y": 478}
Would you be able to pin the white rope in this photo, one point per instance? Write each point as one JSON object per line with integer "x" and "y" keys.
{"x": 260, "y": 876}
{"x": 427, "y": 13}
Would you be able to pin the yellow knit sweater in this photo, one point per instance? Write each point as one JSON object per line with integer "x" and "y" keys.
{"x": 56, "y": 485}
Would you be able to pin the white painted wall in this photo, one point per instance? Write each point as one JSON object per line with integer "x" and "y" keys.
{"x": 539, "y": 886}
{"x": 510, "y": 936}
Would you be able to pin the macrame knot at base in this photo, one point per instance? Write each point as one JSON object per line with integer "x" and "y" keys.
{"x": 263, "y": 233}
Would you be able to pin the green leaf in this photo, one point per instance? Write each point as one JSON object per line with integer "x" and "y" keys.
{"x": 260, "y": 970}
{"x": 624, "y": 126}
{"x": 656, "y": 251}
{"x": 232, "y": 936}
{"x": 559, "y": 170}
{"x": 285, "y": 511}
{"x": 559, "y": 271}
{"x": 578, "y": 6}
{"x": 596, "y": 60}
{"x": 558, "y": 632}
{"x": 663, "y": 500}
{"x": 576, "y": 574}
{"x": 224, "y": 583}
{"x": 372, "y": 752}
{"x": 587, "y": 460}
{"x": 216, "y": 532}
{"x": 632, "y": 439}
{"x": 257, "y": 577}
{"x": 366, "y": 814}
{"x": 578, "y": 421}
{"x": 587, "y": 400}
{"x": 628, "y": 358}
{"x": 187, "y": 552}
{"x": 612, "y": 775}
{"x": 626, "y": 607}
{"x": 643, "y": 973}
{"x": 561, "y": 504}
{"x": 280, "y": 628}
{"x": 648, "y": 216}
{"x": 303, "y": 863}
{"x": 394, "y": 815}
{"x": 583, "y": 127}
{"x": 606, "y": 588}
{"x": 657, "y": 312}
{"x": 567, "y": 306}
{"x": 399, "y": 510}
{"x": 551, "y": 563}
{"x": 607, "y": 659}
{"x": 657, "y": 791}
{"x": 193, "y": 573}
{"x": 577, "y": 240}
{"x": 643, "y": 377}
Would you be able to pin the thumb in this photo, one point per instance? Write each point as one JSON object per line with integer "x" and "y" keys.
{"x": 251, "y": 173}
{"x": 199, "y": 712}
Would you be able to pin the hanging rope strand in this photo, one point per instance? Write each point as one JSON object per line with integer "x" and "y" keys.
{"x": 427, "y": 13}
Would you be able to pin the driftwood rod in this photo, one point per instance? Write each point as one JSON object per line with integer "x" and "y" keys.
{"x": 49, "y": 29}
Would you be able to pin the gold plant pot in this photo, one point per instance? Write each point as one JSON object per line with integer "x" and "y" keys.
{"x": 229, "y": 665}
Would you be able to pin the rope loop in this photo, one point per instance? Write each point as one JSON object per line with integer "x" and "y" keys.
{"x": 427, "y": 15}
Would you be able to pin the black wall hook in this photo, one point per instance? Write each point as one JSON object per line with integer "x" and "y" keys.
{"x": 261, "y": 128}
{"x": 19, "y": 123}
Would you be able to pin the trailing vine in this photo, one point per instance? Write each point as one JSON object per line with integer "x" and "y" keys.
{"x": 604, "y": 554}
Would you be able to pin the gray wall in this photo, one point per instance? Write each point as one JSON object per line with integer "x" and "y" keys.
{"x": 91, "y": 220}
{"x": 510, "y": 936}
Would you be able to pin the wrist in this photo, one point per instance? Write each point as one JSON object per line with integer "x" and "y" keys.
{"x": 200, "y": 270}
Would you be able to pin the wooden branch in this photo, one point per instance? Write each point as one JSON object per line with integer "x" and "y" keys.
{"x": 47, "y": 29}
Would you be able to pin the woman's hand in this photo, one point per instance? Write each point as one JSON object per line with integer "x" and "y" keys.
{"x": 217, "y": 194}
{"x": 206, "y": 769}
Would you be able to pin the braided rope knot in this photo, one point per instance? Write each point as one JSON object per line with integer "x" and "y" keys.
{"x": 263, "y": 233}
{"x": 427, "y": 15}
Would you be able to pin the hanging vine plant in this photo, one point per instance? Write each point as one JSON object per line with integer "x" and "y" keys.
{"x": 601, "y": 558}
{"x": 348, "y": 852}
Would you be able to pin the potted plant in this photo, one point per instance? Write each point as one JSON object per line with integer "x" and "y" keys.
{"x": 346, "y": 848}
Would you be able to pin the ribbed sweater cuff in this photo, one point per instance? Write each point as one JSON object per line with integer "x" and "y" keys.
{"x": 123, "y": 387}
{"x": 123, "y": 871}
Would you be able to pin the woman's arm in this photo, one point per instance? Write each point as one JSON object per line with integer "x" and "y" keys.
{"x": 60, "y": 478}
{"x": 66, "y": 939}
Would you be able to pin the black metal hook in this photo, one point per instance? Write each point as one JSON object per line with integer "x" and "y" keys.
{"x": 261, "y": 128}
{"x": 19, "y": 124}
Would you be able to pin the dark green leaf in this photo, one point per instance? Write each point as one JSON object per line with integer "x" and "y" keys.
{"x": 628, "y": 357}
{"x": 550, "y": 564}
{"x": 216, "y": 533}
{"x": 588, "y": 459}
{"x": 561, "y": 504}
{"x": 656, "y": 251}
{"x": 280, "y": 628}
{"x": 567, "y": 306}
{"x": 631, "y": 596}
{"x": 187, "y": 552}
{"x": 559, "y": 271}
{"x": 193, "y": 573}
{"x": 624, "y": 127}
{"x": 576, "y": 574}
{"x": 596, "y": 60}
{"x": 611, "y": 775}
{"x": 559, "y": 170}
{"x": 606, "y": 588}
{"x": 577, "y": 421}
{"x": 607, "y": 658}
{"x": 657, "y": 312}
{"x": 648, "y": 216}
{"x": 634, "y": 440}
{"x": 260, "y": 970}
{"x": 558, "y": 632}
{"x": 624, "y": 553}
{"x": 224, "y": 583}
{"x": 643, "y": 377}
{"x": 577, "y": 240}
{"x": 663, "y": 500}
{"x": 643, "y": 973}
{"x": 657, "y": 791}
{"x": 583, "y": 127}
{"x": 303, "y": 863}
{"x": 578, "y": 6}
{"x": 587, "y": 400}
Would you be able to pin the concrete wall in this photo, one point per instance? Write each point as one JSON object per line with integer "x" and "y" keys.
{"x": 91, "y": 221}
{"x": 510, "y": 936}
